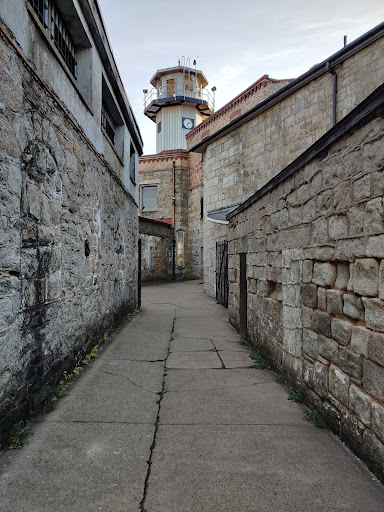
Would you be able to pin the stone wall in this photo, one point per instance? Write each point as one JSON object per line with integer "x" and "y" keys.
{"x": 68, "y": 242}
{"x": 156, "y": 249}
{"x": 158, "y": 170}
{"x": 254, "y": 94}
{"x": 195, "y": 220}
{"x": 243, "y": 160}
{"x": 157, "y": 258}
{"x": 314, "y": 247}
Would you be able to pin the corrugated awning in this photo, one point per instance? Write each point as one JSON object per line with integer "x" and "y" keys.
{"x": 220, "y": 215}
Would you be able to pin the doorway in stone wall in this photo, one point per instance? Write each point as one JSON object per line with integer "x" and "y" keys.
{"x": 243, "y": 295}
{"x": 222, "y": 272}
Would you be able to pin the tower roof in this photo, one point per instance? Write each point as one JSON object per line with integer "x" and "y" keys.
{"x": 178, "y": 69}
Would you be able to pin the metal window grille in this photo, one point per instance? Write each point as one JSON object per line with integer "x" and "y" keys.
{"x": 53, "y": 22}
{"x": 107, "y": 123}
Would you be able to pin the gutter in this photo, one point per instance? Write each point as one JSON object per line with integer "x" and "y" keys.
{"x": 316, "y": 71}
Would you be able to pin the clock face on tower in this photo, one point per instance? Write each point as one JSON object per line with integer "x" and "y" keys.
{"x": 188, "y": 123}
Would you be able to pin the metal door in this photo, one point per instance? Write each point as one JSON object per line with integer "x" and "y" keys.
{"x": 222, "y": 272}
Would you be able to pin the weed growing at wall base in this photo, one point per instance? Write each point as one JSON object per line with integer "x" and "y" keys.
{"x": 255, "y": 355}
{"x": 316, "y": 417}
{"x": 295, "y": 395}
{"x": 17, "y": 436}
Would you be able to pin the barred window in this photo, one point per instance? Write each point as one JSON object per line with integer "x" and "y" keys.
{"x": 132, "y": 163}
{"x": 52, "y": 20}
{"x": 107, "y": 122}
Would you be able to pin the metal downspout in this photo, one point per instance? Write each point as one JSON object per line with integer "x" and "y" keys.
{"x": 174, "y": 218}
{"x": 334, "y": 90}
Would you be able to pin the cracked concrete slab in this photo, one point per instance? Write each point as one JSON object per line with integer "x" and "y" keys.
{"x": 193, "y": 360}
{"x": 259, "y": 403}
{"x": 232, "y": 346}
{"x": 124, "y": 390}
{"x": 208, "y": 379}
{"x": 213, "y": 311}
{"x": 257, "y": 468}
{"x": 134, "y": 435}
{"x": 148, "y": 345}
{"x": 191, "y": 345}
{"x": 77, "y": 466}
{"x": 204, "y": 328}
{"x": 227, "y": 355}
{"x": 152, "y": 319}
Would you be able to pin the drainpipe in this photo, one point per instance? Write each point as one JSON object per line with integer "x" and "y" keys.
{"x": 174, "y": 218}
{"x": 334, "y": 90}
{"x": 174, "y": 193}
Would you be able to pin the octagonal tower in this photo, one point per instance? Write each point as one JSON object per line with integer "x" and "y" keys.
{"x": 177, "y": 103}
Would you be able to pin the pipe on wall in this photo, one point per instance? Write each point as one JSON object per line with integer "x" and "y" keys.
{"x": 334, "y": 90}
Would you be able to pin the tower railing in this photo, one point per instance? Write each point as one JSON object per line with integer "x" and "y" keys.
{"x": 174, "y": 91}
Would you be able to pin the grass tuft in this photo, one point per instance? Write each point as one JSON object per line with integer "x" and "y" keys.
{"x": 318, "y": 418}
{"x": 18, "y": 436}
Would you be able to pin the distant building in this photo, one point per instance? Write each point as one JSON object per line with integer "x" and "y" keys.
{"x": 69, "y": 151}
{"x": 171, "y": 180}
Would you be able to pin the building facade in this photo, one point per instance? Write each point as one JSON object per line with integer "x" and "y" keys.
{"x": 171, "y": 180}
{"x": 293, "y": 191}
{"x": 306, "y": 281}
{"x": 242, "y": 155}
{"x": 69, "y": 153}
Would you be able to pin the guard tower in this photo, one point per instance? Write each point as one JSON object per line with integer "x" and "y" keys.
{"x": 177, "y": 103}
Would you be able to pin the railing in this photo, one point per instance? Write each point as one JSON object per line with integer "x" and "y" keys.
{"x": 171, "y": 91}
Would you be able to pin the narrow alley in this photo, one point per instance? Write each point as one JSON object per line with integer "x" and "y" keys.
{"x": 171, "y": 418}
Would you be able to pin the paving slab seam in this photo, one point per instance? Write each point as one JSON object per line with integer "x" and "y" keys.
{"x": 95, "y": 422}
{"x": 130, "y": 380}
{"x": 219, "y": 389}
{"x": 153, "y": 445}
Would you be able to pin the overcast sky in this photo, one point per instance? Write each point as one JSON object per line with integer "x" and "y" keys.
{"x": 235, "y": 42}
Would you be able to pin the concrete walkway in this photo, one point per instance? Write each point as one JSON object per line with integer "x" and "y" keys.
{"x": 170, "y": 418}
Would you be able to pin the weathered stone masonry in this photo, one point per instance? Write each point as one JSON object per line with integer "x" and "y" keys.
{"x": 68, "y": 242}
{"x": 246, "y": 153}
{"x": 314, "y": 245}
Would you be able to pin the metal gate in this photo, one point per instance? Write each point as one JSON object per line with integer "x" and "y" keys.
{"x": 222, "y": 272}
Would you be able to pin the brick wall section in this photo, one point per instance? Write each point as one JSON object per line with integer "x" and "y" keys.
{"x": 315, "y": 274}
{"x": 241, "y": 162}
{"x": 253, "y": 95}
{"x": 68, "y": 244}
{"x": 158, "y": 170}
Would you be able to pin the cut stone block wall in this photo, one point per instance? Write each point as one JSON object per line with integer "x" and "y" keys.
{"x": 315, "y": 273}
{"x": 254, "y": 94}
{"x": 242, "y": 161}
{"x": 68, "y": 243}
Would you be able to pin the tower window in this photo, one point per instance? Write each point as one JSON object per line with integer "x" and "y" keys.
{"x": 171, "y": 87}
{"x": 189, "y": 84}
{"x": 201, "y": 208}
{"x": 149, "y": 198}
{"x": 159, "y": 127}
